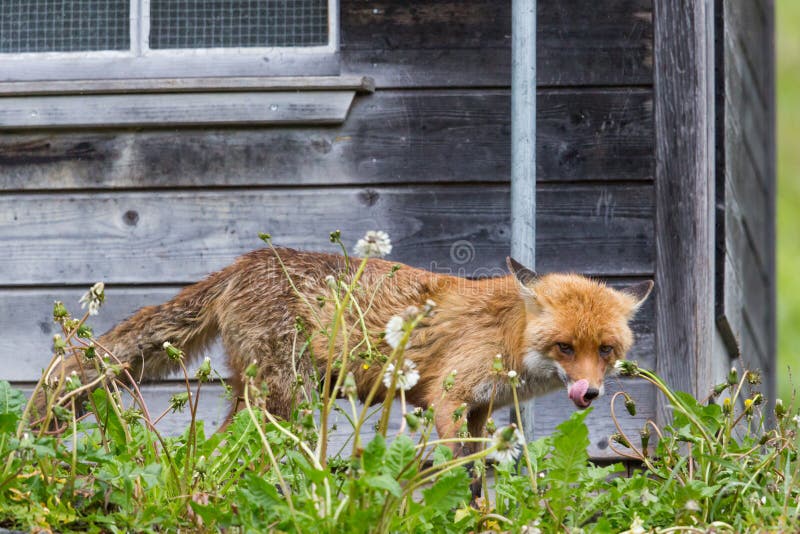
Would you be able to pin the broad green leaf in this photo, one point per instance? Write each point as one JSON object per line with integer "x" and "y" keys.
{"x": 448, "y": 492}
{"x": 442, "y": 454}
{"x": 12, "y": 402}
{"x": 384, "y": 482}
{"x": 108, "y": 419}
{"x": 372, "y": 459}
{"x": 401, "y": 453}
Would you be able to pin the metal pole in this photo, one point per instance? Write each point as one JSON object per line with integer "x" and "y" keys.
{"x": 523, "y": 132}
{"x": 523, "y": 148}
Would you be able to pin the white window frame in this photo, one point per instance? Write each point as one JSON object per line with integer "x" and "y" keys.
{"x": 141, "y": 62}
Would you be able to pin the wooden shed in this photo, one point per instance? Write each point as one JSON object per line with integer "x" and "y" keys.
{"x": 146, "y": 143}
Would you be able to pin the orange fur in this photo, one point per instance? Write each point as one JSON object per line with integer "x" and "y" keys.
{"x": 251, "y": 306}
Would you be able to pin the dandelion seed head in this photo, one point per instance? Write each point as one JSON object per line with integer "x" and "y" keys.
{"x": 395, "y": 331}
{"x": 407, "y": 377}
{"x": 374, "y": 244}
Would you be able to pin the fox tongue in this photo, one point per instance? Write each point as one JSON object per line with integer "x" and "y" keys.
{"x": 577, "y": 390}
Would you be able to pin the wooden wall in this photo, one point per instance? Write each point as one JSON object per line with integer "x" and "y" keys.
{"x": 426, "y": 158}
{"x": 745, "y": 259}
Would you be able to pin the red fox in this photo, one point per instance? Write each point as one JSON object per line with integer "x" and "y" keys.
{"x": 555, "y": 330}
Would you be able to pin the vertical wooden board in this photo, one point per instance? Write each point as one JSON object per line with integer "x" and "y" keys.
{"x": 747, "y": 23}
{"x": 730, "y": 312}
{"x": 684, "y": 118}
{"x": 744, "y": 188}
{"x": 746, "y": 108}
{"x": 753, "y": 356}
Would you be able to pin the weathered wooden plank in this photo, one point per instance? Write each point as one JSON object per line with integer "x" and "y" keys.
{"x": 753, "y": 355}
{"x": 446, "y": 43}
{"x": 389, "y": 137}
{"x": 745, "y": 110}
{"x": 359, "y": 84}
{"x": 684, "y": 152}
{"x": 177, "y": 236}
{"x": 554, "y": 408}
{"x": 26, "y": 319}
{"x": 728, "y": 301}
{"x": 757, "y": 304}
{"x": 746, "y": 272}
{"x": 746, "y": 23}
{"x": 214, "y": 408}
{"x": 744, "y": 188}
{"x": 244, "y": 63}
{"x": 279, "y": 107}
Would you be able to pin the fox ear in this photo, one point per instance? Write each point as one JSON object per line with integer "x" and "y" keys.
{"x": 524, "y": 276}
{"x": 640, "y": 292}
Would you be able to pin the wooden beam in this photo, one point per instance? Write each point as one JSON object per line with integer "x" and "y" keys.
{"x": 195, "y": 109}
{"x": 359, "y": 84}
{"x": 684, "y": 126}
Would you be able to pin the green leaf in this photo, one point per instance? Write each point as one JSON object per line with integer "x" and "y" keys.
{"x": 12, "y": 402}
{"x": 448, "y": 492}
{"x": 569, "y": 455}
{"x": 567, "y": 462}
{"x": 259, "y": 492}
{"x": 108, "y": 419}
{"x": 401, "y": 453}
{"x": 384, "y": 482}
{"x": 442, "y": 454}
{"x": 372, "y": 459}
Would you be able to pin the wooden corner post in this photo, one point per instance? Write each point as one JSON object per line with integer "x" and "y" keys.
{"x": 684, "y": 185}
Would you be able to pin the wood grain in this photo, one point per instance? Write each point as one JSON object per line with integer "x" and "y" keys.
{"x": 446, "y": 43}
{"x": 685, "y": 195}
{"x": 105, "y": 111}
{"x": 361, "y": 84}
{"x": 178, "y": 237}
{"x": 389, "y": 137}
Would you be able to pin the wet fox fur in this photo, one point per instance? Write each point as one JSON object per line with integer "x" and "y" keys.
{"x": 556, "y": 330}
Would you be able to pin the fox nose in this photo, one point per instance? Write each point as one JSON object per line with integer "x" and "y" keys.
{"x": 591, "y": 394}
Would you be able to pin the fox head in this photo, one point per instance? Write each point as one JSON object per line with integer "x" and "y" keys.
{"x": 576, "y": 328}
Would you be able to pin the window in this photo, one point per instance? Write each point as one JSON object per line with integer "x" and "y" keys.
{"x": 91, "y": 39}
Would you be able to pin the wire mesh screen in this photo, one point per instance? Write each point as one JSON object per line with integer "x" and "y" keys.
{"x": 237, "y": 23}
{"x": 64, "y": 25}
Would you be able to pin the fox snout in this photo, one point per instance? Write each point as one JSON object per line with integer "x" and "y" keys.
{"x": 582, "y": 394}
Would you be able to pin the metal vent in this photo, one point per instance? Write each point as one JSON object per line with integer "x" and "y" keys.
{"x": 237, "y": 23}
{"x": 64, "y": 26}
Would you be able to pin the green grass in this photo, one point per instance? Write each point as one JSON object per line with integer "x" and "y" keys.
{"x": 788, "y": 201}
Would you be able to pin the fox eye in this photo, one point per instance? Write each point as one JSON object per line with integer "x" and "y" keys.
{"x": 566, "y": 348}
{"x": 606, "y": 350}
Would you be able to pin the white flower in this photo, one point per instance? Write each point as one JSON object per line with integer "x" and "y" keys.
{"x": 796, "y": 419}
{"x": 374, "y": 244}
{"x": 407, "y": 377}
{"x": 512, "y": 374}
{"x": 509, "y": 441}
{"x": 637, "y": 527}
{"x": 93, "y": 298}
{"x": 395, "y": 331}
